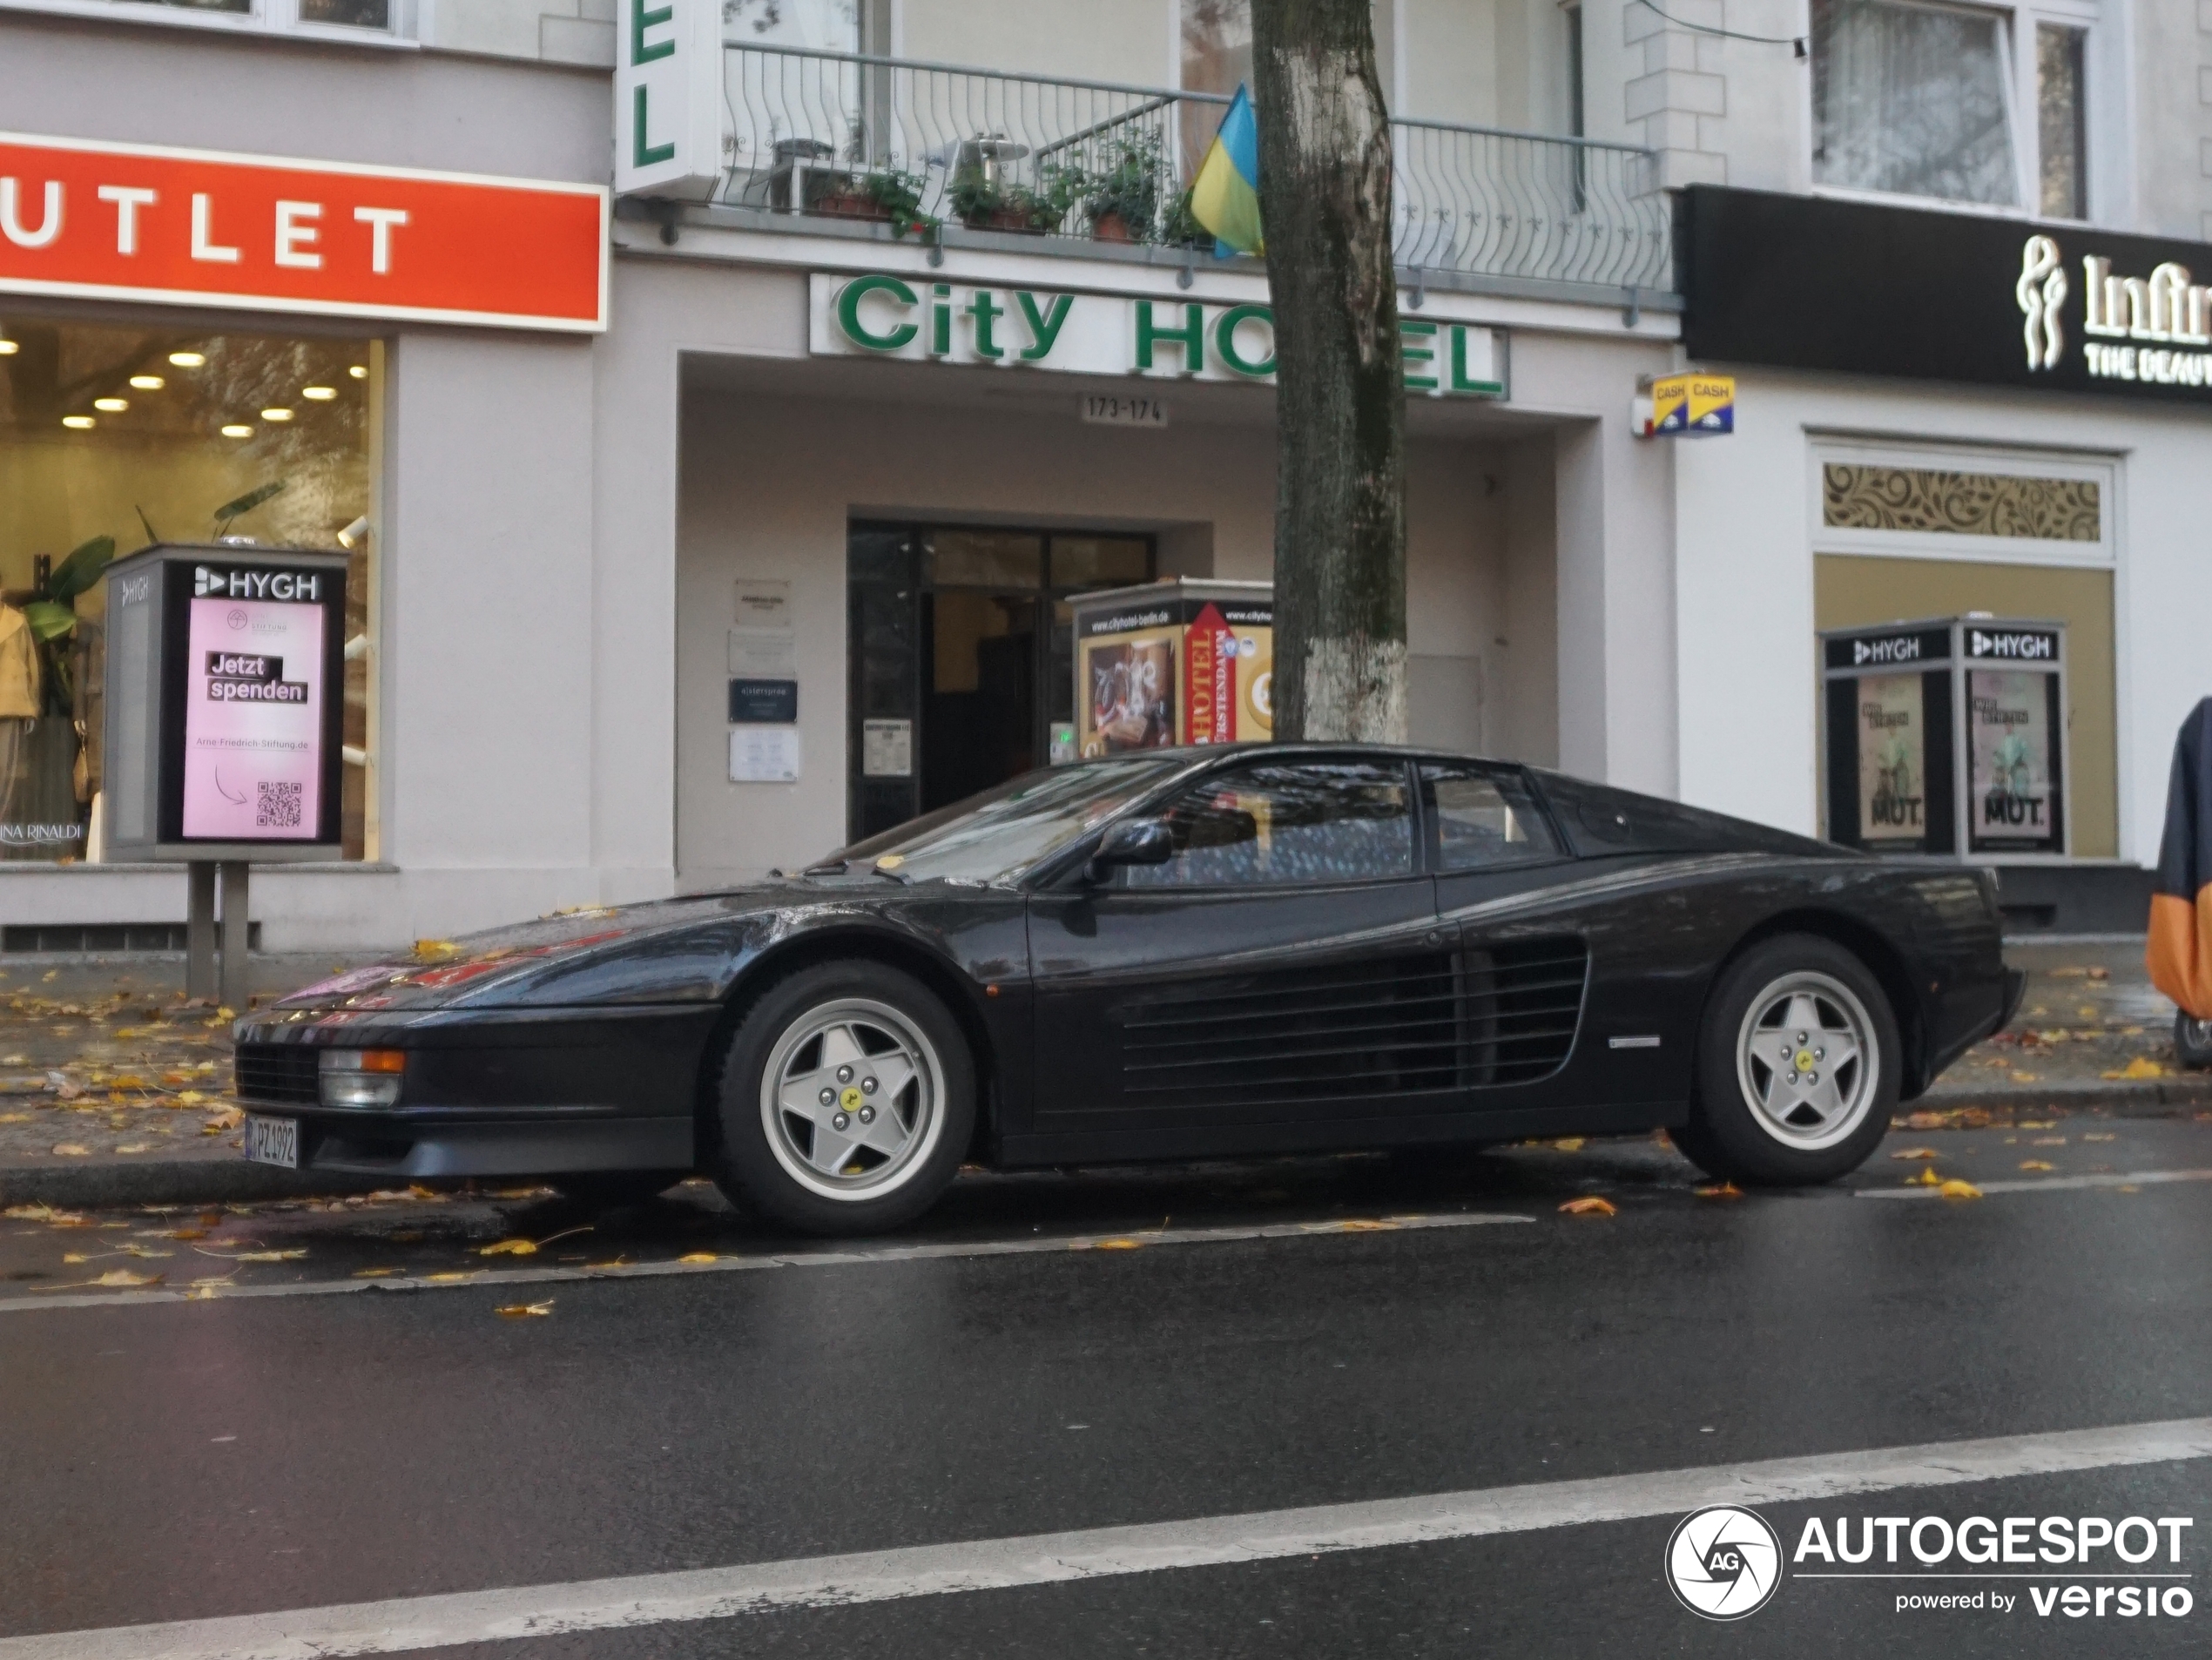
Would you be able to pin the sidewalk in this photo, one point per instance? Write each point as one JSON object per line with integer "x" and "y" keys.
{"x": 115, "y": 1090}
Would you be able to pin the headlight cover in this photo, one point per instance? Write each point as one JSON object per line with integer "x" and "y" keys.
{"x": 358, "y": 1077}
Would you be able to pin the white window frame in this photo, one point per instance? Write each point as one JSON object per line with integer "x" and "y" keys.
{"x": 2016, "y": 33}
{"x": 267, "y": 17}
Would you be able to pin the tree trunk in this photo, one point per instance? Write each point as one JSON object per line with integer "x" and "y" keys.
{"x": 1325, "y": 173}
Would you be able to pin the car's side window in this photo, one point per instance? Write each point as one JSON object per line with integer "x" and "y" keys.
{"x": 1279, "y": 822}
{"x": 1483, "y": 819}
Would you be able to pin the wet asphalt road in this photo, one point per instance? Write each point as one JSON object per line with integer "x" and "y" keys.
{"x": 170, "y": 1460}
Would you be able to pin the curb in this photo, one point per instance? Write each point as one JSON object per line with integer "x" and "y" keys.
{"x": 88, "y": 1184}
{"x": 2149, "y": 1098}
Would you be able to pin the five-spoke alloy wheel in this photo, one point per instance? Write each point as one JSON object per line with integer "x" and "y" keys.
{"x": 846, "y": 1103}
{"x": 1798, "y": 1064}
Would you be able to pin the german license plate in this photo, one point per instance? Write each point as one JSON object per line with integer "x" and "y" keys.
{"x": 272, "y": 1141}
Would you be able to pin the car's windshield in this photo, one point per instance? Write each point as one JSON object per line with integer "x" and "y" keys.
{"x": 1003, "y": 831}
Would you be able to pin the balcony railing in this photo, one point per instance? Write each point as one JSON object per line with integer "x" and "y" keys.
{"x": 840, "y": 135}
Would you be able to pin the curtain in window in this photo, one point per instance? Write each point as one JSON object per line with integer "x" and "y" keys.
{"x": 1914, "y": 99}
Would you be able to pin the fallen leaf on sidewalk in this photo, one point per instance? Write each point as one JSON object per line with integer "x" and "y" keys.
{"x": 2037, "y": 1123}
{"x": 699, "y": 1256}
{"x": 1570, "y": 1144}
{"x": 447, "y": 1279}
{"x": 1590, "y": 1204}
{"x": 270, "y": 1256}
{"x": 1115, "y": 1245}
{"x": 2036, "y": 1163}
{"x": 522, "y": 1311}
{"x": 70, "y": 1150}
{"x": 1725, "y": 1190}
{"x": 2048, "y": 1141}
{"x": 1927, "y": 1177}
{"x": 509, "y": 1248}
{"x": 2140, "y": 1067}
{"x": 38, "y": 1213}
{"x": 15, "y": 1117}
{"x": 1956, "y": 1188}
{"x": 137, "y": 1147}
{"x": 2098, "y": 1135}
{"x": 1916, "y": 1152}
{"x": 2024, "y": 1077}
{"x": 374, "y": 1273}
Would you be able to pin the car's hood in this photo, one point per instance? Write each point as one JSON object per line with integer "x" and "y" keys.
{"x": 640, "y": 952}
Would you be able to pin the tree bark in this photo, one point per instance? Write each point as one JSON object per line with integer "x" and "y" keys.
{"x": 1324, "y": 190}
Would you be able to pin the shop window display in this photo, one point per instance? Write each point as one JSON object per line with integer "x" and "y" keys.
{"x": 113, "y": 437}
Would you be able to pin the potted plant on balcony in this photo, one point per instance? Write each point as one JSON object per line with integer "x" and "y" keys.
{"x": 1122, "y": 199}
{"x": 887, "y": 195}
{"x": 986, "y": 203}
{"x": 1183, "y": 229}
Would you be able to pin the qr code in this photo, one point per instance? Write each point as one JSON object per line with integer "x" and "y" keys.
{"x": 279, "y": 807}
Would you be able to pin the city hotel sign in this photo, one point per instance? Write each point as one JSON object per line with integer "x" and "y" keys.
{"x": 1807, "y": 282}
{"x": 114, "y": 221}
{"x": 882, "y": 315}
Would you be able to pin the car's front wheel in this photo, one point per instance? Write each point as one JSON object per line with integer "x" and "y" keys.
{"x": 847, "y": 1097}
{"x": 2192, "y": 1040}
{"x": 1798, "y": 1063}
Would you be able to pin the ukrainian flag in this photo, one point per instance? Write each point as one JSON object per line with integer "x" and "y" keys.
{"x": 1225, "y": 198}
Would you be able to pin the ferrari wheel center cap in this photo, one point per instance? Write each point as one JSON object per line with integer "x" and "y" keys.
{"x": 850, "y": 1100}
{"x": 1804, "y": 1060}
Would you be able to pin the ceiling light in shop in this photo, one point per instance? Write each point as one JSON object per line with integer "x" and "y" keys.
{"x": 78, "y": 424}
{"x": 188, "y": 360}
{"x": 235, "y": 431}
{"x": 113, "y": 406}
{"x": 8, "y": 348}
{"x": 148, "y": 382}
{"x": 359, "y": 371}
{"x": 276, "y": 415}
{"x": 319, "y": 393}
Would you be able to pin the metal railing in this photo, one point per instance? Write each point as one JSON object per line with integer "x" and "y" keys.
{"x": 842, "y": 135}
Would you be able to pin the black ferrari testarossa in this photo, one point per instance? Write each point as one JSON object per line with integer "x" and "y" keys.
{"x": 1172, "y": 953}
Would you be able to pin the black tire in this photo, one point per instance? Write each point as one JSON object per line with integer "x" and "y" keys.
{"x": 2192, "y": 1039}
{"x": 790, "y": 1164}
{"x": 1787, "y": 1141}
{"x": 613, "y": 1189}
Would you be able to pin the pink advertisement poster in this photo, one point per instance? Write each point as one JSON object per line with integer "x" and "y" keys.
{"x": 253, "y": 720}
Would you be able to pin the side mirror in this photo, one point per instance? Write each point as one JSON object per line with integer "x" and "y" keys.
{"x": 1133, "y": 841}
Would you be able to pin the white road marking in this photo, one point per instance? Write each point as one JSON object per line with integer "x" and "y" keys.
{"x": 2047, "y": 1184}
{"x": 416, "y": 1623}
{"x": 845, "y": 1258}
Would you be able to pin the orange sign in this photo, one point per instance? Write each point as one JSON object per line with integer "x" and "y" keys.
{"x": 199, "y": 228}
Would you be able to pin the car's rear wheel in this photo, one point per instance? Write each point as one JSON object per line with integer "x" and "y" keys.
{"x": 1798, "y": 1063}
{"x": 2192, "y": 1040}
{"x": 847, "y": 1097}
{"x": 611, "y": 1190}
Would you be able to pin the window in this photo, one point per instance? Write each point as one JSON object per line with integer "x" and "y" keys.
{"x": 1272, "y": 822}
{"x": 1576, "y": 115}
{"x": 1216, "y": 57}
{"x": 1483, "y": 819}
{"x": 368, "y": 19}
{"x": 1915, "y": 99}
{"x": 2061, "y": 122}
{"x": 112, "y": 437}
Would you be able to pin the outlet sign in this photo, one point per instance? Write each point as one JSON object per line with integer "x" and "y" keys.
{"x": 116, "y": 221}
{"x": 882, "y": 315}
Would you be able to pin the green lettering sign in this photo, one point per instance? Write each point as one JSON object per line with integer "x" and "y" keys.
{"x": 1460, "y": 381}
{"x": 848, "y": 312}
{"x": 1045, "y": 329}
{"x": 1225, "y": 341}
{"x": 1410, "y": 329}
{"x": 646, "y": 154}
{"x": 986, "y": 312}
{"x": 1192, "y": 336}
{"x": 640, "y": 21}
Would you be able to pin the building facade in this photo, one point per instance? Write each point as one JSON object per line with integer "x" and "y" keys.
{"x": 904, "y": 340}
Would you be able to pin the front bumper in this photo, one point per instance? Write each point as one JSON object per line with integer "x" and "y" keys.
{"x": 489, "y": 1093}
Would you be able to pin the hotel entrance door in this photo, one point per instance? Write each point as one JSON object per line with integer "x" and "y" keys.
{"x": 961, "y": 656}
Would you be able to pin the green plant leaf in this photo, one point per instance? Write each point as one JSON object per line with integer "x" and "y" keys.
{"x": 248, "y": 501}
{"x": 49, "y": 620}
{"x": 81, "y": 569}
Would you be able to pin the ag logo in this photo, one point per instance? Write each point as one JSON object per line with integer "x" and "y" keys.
{"x": 1724, "y": 1562}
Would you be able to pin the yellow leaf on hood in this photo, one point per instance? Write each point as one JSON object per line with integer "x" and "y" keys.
{"x": 1590, "y": 1204}
{"x": 1955, "y": 1189}
{"x": 509, "y": 1248}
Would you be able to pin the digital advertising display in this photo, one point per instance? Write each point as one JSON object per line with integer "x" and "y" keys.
{"x": 254, "y": 720}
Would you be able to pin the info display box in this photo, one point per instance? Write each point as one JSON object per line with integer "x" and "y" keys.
{"x": 1946, "y": 736}
{"x": 225, "y": 705}
{"x": 1185, "y": 661}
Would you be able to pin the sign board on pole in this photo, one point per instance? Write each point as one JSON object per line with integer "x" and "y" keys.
{"x": 668, "y": 98}
{"x": 225, "y": 705}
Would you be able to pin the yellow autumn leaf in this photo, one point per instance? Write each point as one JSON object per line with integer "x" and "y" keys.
{"x": 447, "y": 1279}
{"x": 509, "y": 1248}
{"x": 522, "y": 1311}
{"x": 1116, "y": 1245}
{"x": 1927, "y": 1177}
{"x": 1723, "y": 1190}
{"x": 1916, "y": 1152}
{"x": 2048, "y": 1141}
{"x": 432, "y": 950}
{"x": 270, "y": 1256}
{"x": 2037, "y": 1123}
{"x": 2036, "y": 1163}
{"x": 1363, "y": 1225}
{"x": 374, "y": 1273}
{"x": 70, "y": 1150}
{"x": 2142, "y": 1067}
{"x": 75, "y": 1256}
{"x": 190, "y": 1098}
{"x": 137, "y": 1147}
{"x": 125, "y": 1277}
{"x": 699, "y": 1256}
{"x": 1590, "y": 1204}
{"x": 1570, "y": 1144}
{"x": 15, "y": 1117}
{"x": 1956, "y": 1188}
{"x": 2098, "y": 1135}
{"x": 2024, "y": 1077}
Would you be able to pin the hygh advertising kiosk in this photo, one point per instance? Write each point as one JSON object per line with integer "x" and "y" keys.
{"x": 1946, "y": 736}
{"x": 224, "y": 715}
{"x": 1181, "y": 662}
